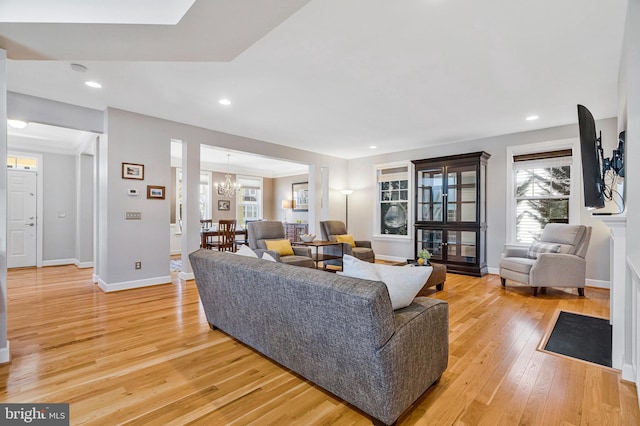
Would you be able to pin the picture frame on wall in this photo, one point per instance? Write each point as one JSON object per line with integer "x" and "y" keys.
{"x": 224, "y": 204}
{"x": 300, "y": 195}
{"x": 155, "y": 192}
{"x": 132, "y": 171}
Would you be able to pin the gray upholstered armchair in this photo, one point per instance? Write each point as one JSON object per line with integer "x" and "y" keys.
{"x": 261, "y": 231}
{"x": 362, "y": 250}
{"x": 557, "y": 260}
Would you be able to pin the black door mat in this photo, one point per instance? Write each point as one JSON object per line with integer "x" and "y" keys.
{"x": 581, "y": 337}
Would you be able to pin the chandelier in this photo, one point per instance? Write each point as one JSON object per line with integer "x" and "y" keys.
{"x": 227, "y": 188}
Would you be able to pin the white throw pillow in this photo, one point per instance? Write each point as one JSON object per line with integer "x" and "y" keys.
{"x": 246, "y": 251}
{"x": 267, "y": 256}
{"x": 403, "y": 282}
{"x": 356, "y": 268}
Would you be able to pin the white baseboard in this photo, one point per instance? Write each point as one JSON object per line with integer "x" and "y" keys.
{"x": 598, "y": 284}
{"x": 83, "y": 265}
{"x": 391, "y": 258}
{"x": 5, "y": 354}
{"x": 493, "y": 271}
{"x": 128, "y": 285}
{"x": 186, "y": 276}
{"x": 59, "y": 262}
{"x": 95, "y": 278}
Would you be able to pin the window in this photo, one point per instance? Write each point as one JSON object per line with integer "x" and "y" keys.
{"x": 22, "y": 162}
{"x": 542, "y": 191}
{"x": 393, "y": 200}
{"x": 249, "y": 199}
{"x": 204, "y": 195}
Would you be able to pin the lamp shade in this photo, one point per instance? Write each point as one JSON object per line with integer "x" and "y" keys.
{"x": 287, "y": 204}
{"x": 347, "y": 191}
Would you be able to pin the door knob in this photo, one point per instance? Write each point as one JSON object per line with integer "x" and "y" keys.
{"x": 30, "y": 224}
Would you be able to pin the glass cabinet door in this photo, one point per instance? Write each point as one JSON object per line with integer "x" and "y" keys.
{"x": 461, "y": 246}
{"x": 432, "y": 241}
{"x": 430, "y": 195}
{"x": 461, "y": 194}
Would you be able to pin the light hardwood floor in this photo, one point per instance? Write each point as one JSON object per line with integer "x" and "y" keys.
{"x": 147, "y": 356}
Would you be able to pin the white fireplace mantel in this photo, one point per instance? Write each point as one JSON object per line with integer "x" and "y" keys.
{"x": 621, "y": 297}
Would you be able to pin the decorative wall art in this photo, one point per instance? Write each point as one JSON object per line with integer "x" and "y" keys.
{"x": 132, "y": 171}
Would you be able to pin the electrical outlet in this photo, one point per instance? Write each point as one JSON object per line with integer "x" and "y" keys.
{"x": 138, "y": 265}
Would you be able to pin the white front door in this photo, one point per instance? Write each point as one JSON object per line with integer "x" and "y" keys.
{"x": 21, "y": 219}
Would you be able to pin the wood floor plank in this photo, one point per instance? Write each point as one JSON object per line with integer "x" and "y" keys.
{"x": 148, "y": 357}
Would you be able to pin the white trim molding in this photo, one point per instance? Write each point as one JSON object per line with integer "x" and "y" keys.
{"x": 5, "y": 354}
{"x": 127, "y": 285}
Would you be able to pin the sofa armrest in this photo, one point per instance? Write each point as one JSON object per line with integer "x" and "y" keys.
{"x": 363, "y": 243}
{"x": 558, "y": 270}
{"x": 511, "y": 251}
{"x": 302, "y": 251}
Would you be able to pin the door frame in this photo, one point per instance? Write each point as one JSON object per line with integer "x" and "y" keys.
{"x": 39, "y": 198}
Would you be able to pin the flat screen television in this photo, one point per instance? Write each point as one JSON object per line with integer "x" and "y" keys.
{"x": 591, "y": 150}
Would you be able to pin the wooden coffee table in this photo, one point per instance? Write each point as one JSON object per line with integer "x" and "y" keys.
{"x": 437, "y": 278}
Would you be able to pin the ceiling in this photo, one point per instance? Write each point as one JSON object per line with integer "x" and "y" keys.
{"x": 330, "y": 76}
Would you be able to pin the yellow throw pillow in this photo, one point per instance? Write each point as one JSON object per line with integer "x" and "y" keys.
{"x": 346, "y": 238}
{"x": 281, "y": 246}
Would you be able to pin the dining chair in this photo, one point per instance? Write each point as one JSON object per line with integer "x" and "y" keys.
{"x": 226, "y": 235}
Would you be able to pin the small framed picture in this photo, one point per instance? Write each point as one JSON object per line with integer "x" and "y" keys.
{"x": 132, "y": 171}
{"x": 224, "y": 204}
{"x": 155, "y": 192}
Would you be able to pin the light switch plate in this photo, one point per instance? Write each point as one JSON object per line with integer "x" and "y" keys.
{"x": 133, "y": 215}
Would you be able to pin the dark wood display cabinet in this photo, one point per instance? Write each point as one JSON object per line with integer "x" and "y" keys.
{"x": 451, "y": 211}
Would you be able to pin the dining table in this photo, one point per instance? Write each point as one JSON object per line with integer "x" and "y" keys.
{"x": 206, "y": 233}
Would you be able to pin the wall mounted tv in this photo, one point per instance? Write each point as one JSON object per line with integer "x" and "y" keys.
{"x": 594, "y": 165}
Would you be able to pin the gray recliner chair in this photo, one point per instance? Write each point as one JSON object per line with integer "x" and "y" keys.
{"x": 330, "y": 228}
{"x": 557, "y": 260}
{"x": 259, "y": 232}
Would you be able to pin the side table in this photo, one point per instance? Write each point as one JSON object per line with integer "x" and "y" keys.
{"x": 317, "y": 256}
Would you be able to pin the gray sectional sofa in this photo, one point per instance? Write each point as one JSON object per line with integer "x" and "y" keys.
{"x": 340, "y": 333}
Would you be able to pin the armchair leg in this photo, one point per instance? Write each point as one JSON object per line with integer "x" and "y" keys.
{"x": 581, "y": 291}
{"x": 543, "y": 290}
{"x": 534, "y": 290}
{"x": 504, "y": 281}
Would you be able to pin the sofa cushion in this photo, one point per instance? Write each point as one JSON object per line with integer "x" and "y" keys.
{"x": 403, "y": 282}
{"x": 537, "y": 248}
{"x": 517, "y": 264}
{"x": 346, "y": 238}
{"x": 281, "y": 246}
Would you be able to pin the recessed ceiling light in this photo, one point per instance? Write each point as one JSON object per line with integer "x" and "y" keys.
{"x": 17, "y": 124}
{"x": 225, "y": 102}
{"x": 372, "y": 147}
{"x": 93, "y": 84}
{"x": 532, "y": 117}
{"x": 78, "y": 68}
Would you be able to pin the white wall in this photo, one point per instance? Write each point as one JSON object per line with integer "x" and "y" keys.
{"x": 136, "y": 138}
{"x": 84, "y": 215}
{"x": 283, "y": 191}
{"x": 4, "y": 343}
{"x": 363, "y": 200}
{"x": 59, "y": 209}
{"x": 631, "y": 93}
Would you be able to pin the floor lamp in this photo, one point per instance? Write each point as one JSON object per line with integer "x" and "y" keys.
{"x": 346, "y": 193}
{"x": 286, "y": 205}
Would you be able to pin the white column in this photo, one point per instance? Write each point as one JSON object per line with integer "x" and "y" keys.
{"x": 190, "y": 205}
{"x": 5, "y": 355}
